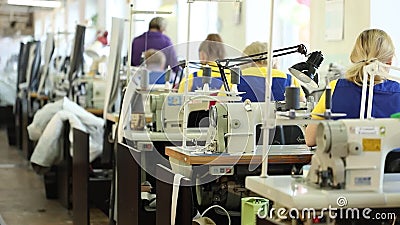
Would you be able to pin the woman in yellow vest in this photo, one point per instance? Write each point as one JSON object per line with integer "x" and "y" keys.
{"x": 210, "y": 50}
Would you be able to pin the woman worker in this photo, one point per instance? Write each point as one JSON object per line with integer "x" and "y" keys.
{"x": 371, "y": 45}
{"x": 253, "y": 77}
{"x": 210, "y": 50}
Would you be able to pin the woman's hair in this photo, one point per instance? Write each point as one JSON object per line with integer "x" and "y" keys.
{"x": 258, "y": 47}
{"x": 371, "y": 45}
{"x": 213, "y": 47}
{"x": 214, "y": 37}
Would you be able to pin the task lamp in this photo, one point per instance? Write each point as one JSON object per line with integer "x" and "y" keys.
{"x": 306, "y": 71}
{"x": 97, "y": 50}
{"x": 236, "y": 62}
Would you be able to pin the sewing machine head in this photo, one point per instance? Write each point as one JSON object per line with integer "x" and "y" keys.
{"x": 233, "y": 126}
{"x": 167, "y": 111}
{"x": 351, "y": 153}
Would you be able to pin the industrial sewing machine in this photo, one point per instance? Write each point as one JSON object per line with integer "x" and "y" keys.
{"x": 167, "y": 111}
{"x": 351, "y": 153}
{"x": 233, "y": 126}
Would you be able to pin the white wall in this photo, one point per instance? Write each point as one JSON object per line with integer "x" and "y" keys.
{"x": 359, "y": 15}
{"x": 356, "y": 19}
{"x": 384, "y": 16}
{"x": 233, "y": 34}
{"x": 290, "y": 19}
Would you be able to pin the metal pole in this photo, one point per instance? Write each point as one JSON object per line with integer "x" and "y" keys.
{"x": 128, "y": 73}
{"x": 268, "y": 83}
{"x": 185, "y": 108}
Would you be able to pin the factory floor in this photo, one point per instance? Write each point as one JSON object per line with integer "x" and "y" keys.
{"x": 22, "y": 193}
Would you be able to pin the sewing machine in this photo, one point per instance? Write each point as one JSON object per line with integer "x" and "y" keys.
{"x": 167, "y": 111}
{"x": 232, "y": 137}
{"x": 233, "y": 126}
{"x": 351, "y": 153}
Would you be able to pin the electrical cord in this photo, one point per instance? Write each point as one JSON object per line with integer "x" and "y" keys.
{"x": 220, "y": 207}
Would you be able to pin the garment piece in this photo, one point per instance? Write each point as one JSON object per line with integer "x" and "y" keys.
{"x": 42, "y": 118}
{"x": 252, "y": 82}
{"x": 154, "y": 40}
{"x": 346, "y": 98}
{"x": 8, "y": 91}
{"x": 48, "y": 150}
{"x": 195, "y": 80}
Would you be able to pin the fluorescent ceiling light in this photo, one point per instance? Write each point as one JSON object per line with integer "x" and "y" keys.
{"x": 36, "y": 3}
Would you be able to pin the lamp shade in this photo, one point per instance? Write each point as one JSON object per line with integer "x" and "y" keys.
{"x": 96, "y": 50}
{"x": 305, "y": 71}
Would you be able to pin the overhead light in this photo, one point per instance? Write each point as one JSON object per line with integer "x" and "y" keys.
{"x": 36, "y": 3}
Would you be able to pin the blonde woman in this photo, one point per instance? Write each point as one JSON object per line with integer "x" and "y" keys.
{"x": 371, "y": 45}
{"x": 253, "y": 77}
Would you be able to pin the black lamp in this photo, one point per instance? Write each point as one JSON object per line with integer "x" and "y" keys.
{"x": 305, "y": 71}
{"x": 235, "y": 62}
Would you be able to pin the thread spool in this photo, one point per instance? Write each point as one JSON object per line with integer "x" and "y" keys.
{"x": 328, "y": 98}
{"x": 168, "y": 74}
{"x": 206, "y": 75}
{"x": 292, "y": 97}
{"x": 235, "y": 75}
{"x": 144, "y": 78}
{"x": 138, "y": 120}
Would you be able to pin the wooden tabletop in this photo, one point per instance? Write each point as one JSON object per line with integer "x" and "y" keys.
{"x": 39, "y": 97}
{"x": 276, "y": 156}
{"x": 97, "y": 112}
{"x": 113, "y": 117}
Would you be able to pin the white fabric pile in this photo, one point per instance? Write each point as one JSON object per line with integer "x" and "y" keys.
{"x": 8, "y": 86}
{"x": 47, "y": 127}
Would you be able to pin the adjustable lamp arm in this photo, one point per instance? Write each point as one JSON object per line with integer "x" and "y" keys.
{"x": 239, "y": 61}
